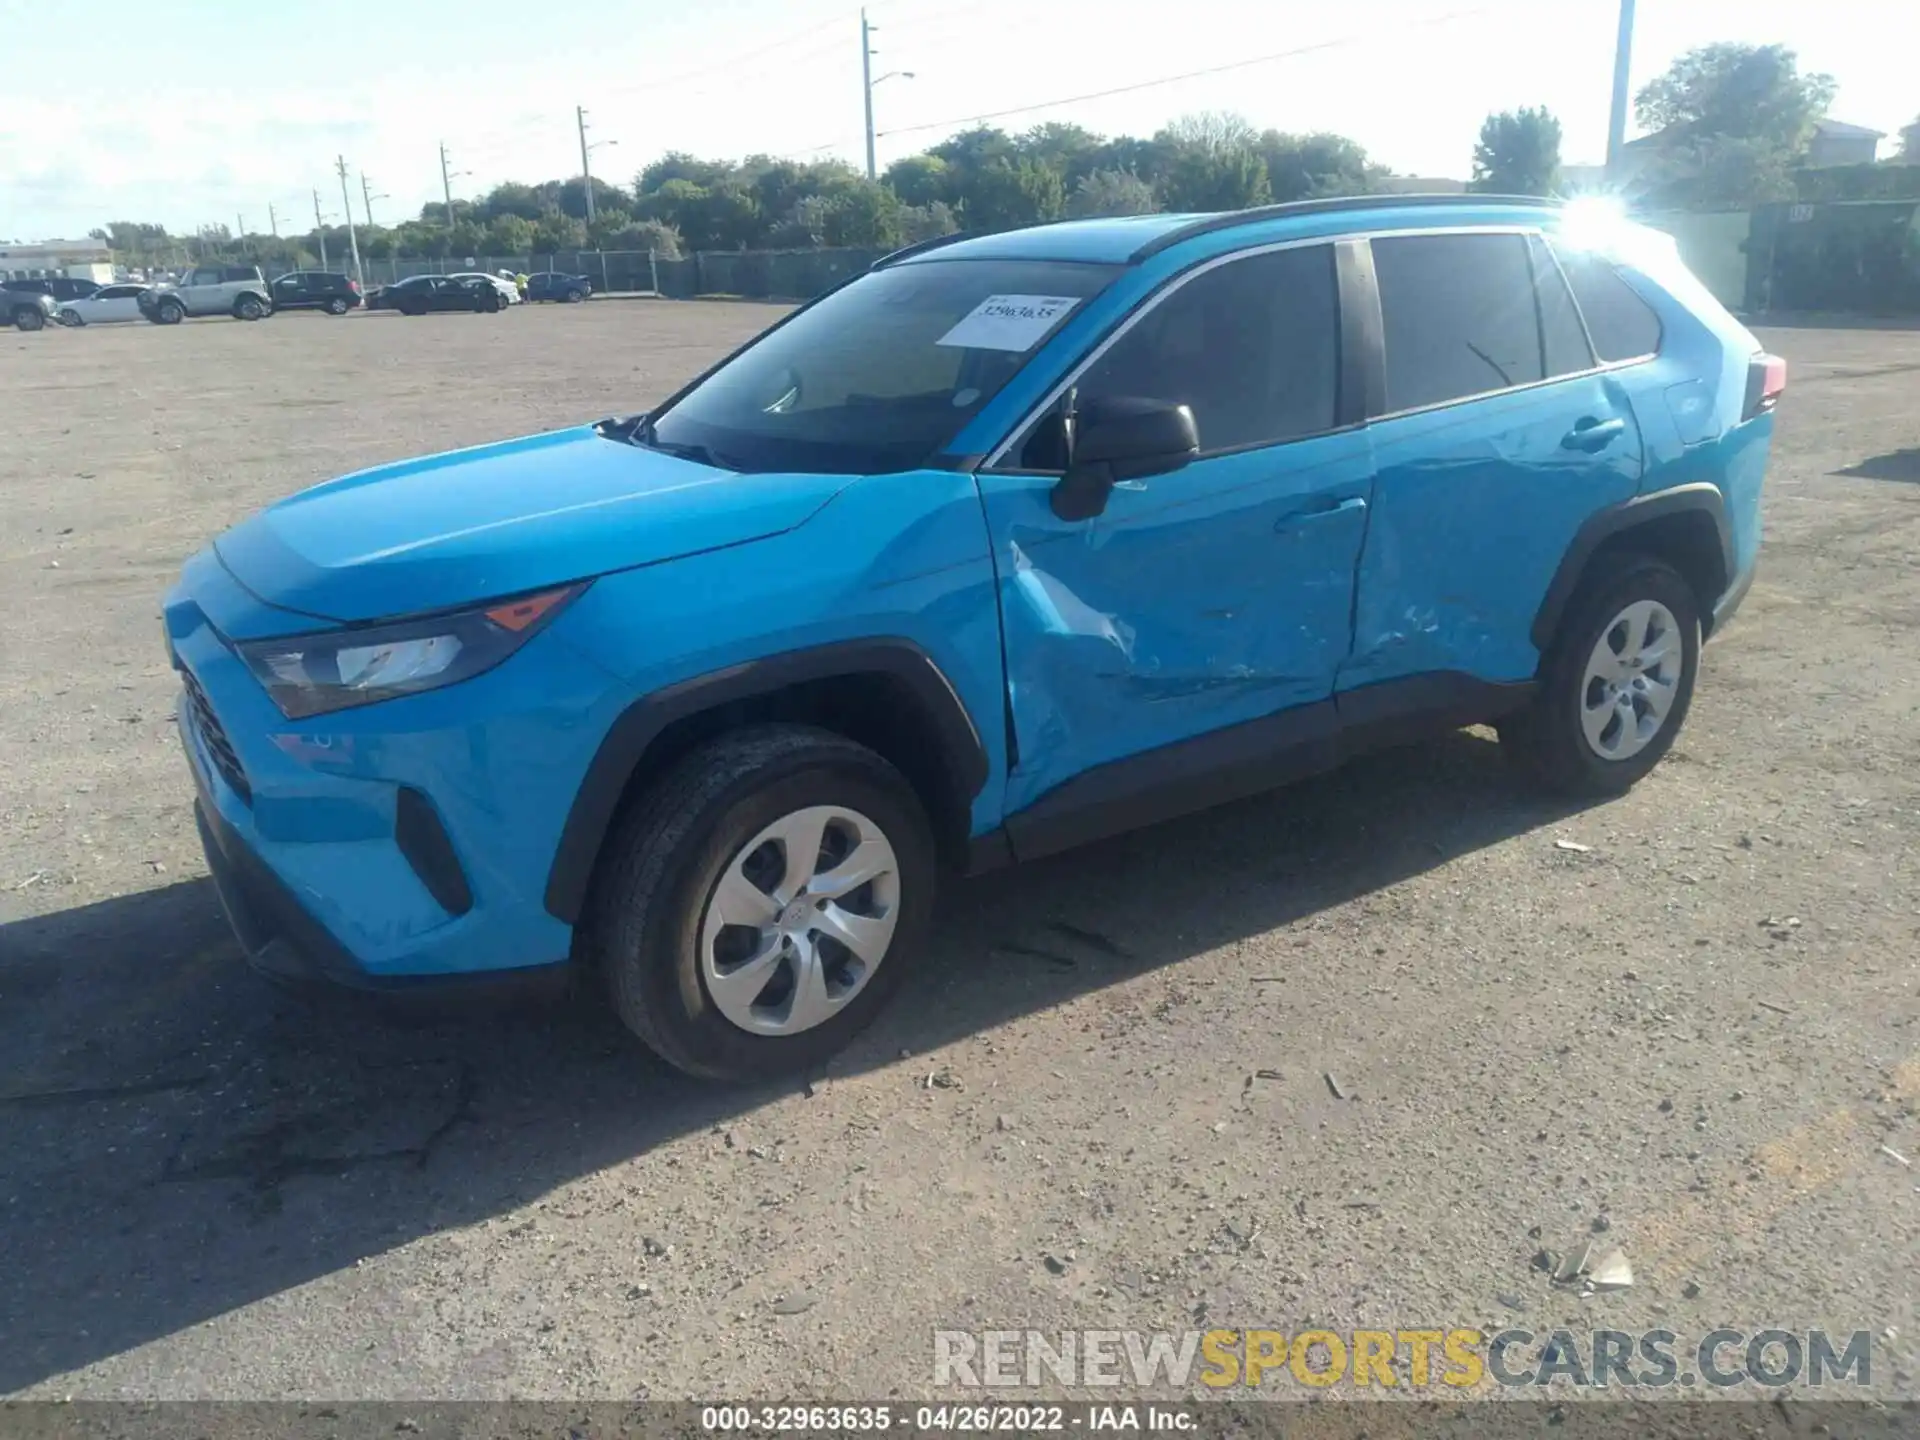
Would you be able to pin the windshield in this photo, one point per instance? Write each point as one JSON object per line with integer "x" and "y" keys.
{"x": 879, "y": 375}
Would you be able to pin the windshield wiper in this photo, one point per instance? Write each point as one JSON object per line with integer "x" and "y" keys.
{"x": 623, "y": 427}
{"x": 638, "y": 430}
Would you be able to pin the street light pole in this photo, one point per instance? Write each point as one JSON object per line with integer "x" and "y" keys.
{"x": 346, "y": 205}
{"x": 866, "y": 82}
{"x": 1622, "y": 72}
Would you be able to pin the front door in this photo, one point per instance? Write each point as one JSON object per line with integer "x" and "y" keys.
{"x": 1501, "y": 435}
{"x": 1218, "y": 594}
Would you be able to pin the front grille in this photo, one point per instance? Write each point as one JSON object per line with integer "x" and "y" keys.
{"x": 214, "y": 736}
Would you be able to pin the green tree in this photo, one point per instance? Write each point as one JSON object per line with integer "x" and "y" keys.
{"x": 1071, "y": 150}
{"x": 555, "y": 232}
{"x": 510, "y": 233}
{"x": 925, "y": 222}
{"x": 918, "y": 179}
{"x": 1111, "y": 192}
{"x": 679, "y": 165}
{"x": 1747, "y": 92}
{"x": 1201, "y": 180}
{"x": 1308, "y": 167}
{"x": 866, "y": 214}
{"x": 1518, "y": 153}
{"x": 1005, "y": 196}
{"x": 513, "y": 198}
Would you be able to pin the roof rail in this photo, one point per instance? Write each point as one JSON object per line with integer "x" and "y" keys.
{"x": 919, "y": 247}
{"x": 1331, "y": 205}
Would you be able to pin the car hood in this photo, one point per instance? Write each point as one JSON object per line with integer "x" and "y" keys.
{"x": 501, "y": 519}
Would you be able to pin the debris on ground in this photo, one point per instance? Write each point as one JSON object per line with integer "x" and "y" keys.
{"x": 1055, "y": 1264}
{"x": 941, "y": 1079}
{"x": 1574, "y": 845}
{"x": 1889, "y": 1150}
{"x": 1573, "y": 1264}
{"x": 1266, "y": 1075}
{"x": 795, "y": 1304}
{"x": 1512, "y": 1302}
{"x": 1612, "y": 1273}
{"x": 1334, "y": 1086}
{"x": 1769, "y": 1005}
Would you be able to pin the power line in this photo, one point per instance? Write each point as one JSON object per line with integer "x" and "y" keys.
{"x": 1340, "y": 43}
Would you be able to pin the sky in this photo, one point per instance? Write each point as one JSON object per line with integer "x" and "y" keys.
{"x": 121, "y": 110}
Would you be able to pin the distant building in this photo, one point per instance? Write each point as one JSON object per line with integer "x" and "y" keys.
{"x": 1834, "y": 142}
{"x": 1421, "y": 185}
{"x": 76, "y": 259}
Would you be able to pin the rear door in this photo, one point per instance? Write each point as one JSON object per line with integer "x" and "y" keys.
{"x": 1498, "y": 435}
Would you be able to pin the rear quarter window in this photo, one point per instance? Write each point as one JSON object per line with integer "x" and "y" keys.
{"x": 1623, "y": 326}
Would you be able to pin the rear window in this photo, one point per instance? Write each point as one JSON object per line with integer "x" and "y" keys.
{"x": 879, "y": 375}
{"x": 1460, "y": 316}
{"x": 1623, "y": 326}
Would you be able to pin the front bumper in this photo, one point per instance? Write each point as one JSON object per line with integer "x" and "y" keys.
{"x": 393, "y": 845}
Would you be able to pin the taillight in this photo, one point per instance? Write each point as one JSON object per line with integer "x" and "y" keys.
{"x": 354, "y": 286}
{"x": 1766, "y": 383}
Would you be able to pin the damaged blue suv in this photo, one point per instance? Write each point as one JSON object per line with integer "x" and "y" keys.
{"x": 1008, "y": 544}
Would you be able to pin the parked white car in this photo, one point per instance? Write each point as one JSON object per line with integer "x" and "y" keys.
{"x": 509, "y": 292}
{"x": 106, "y": 305}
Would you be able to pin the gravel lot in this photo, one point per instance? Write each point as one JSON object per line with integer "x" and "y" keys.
{"x": 1698, "y": 1028}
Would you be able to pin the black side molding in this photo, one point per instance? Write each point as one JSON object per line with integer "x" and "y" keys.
{"x": 1246, "y": 759}
{"x": 640, "y": 724}
{"x": 1701, "y": 498}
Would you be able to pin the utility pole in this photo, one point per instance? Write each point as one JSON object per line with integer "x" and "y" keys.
{"x": 240, "y": 222}
{"x": 366, "y": 198}
{"x": 866, "y": 82}
{"x": 346, "y": 205}
{"x": 446, "y": 183}
{"x": 273, "y": 221}
{"x": 1622, "y": 68}
{"x": 320, "y": 229}
{"x": 586, "y": 175}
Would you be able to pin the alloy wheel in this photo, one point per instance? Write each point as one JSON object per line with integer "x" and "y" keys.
{"x": 800, "y": 920}
{"x": 1632, "y": 677}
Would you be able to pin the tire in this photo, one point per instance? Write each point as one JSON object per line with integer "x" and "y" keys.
{"x": 248, "y": 307}
{"x": 29, "y": 318}
{"x": 574, "y": 297}
{"x": 662, "y": 867}
{"x": 337, "y": 306}
{"x": 1550, "y": 739}
{"x": 169, "y": 312}
{"x": 72, "y": 319}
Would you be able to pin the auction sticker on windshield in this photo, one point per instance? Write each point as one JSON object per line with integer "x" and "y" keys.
{"x": 1008, "y": 322}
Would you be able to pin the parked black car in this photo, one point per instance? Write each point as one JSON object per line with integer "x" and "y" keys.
{"x": 419, "y": 294}
{"x": 556, "y": 285}
{"x": 316, "y": 290}
{"x": 59, "y": 287}
{"x": 24, "y": 308}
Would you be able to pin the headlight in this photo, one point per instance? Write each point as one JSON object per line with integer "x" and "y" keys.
{"x": 312, "y": 674}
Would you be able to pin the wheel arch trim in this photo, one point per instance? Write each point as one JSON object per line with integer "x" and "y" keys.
{"x": 625, "y": 745}
{"x": 1702, "y": 497}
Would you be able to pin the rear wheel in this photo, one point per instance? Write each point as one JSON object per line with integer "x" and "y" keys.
{"x": 337, "y": 306}
{"x": 1616, "y": 684}
{"x": 248, "y": 307}
{"x": 757, "y": 906}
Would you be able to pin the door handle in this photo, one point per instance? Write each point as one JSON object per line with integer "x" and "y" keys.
{"x": 1591, "y": 434}
{"x": 1352, "y": 505}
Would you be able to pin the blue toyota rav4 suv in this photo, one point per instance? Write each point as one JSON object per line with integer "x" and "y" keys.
{"x": 1010, "y": 543}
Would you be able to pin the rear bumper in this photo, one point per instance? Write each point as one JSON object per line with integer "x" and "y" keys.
{"x": 1728, "y": 603}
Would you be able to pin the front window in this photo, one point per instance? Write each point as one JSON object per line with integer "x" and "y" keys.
{"x": 881, "y": 375}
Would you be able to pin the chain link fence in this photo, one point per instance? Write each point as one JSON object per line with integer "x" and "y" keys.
{"x": 750, "y": 274}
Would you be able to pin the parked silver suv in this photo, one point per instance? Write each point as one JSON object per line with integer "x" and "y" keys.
{"x": 236, "y": 290}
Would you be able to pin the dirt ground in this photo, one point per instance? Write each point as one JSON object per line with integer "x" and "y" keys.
{"x": 1106, "y": 1103}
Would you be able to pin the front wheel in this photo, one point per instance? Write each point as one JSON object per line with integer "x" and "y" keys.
{"x": 755, "y": 908}
{"x": 1616, "y": 684}
{"x": 29, "y": 319}
{"x": 574, "y": 297}
{"x": 170, "y": 312}
{"x": 72, "y": 319}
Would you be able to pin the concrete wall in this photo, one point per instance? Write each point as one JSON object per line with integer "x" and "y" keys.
{"x": 1713, "y": 243}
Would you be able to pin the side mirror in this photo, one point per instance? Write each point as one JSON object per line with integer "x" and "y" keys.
{"x": 1123, "y": 438}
